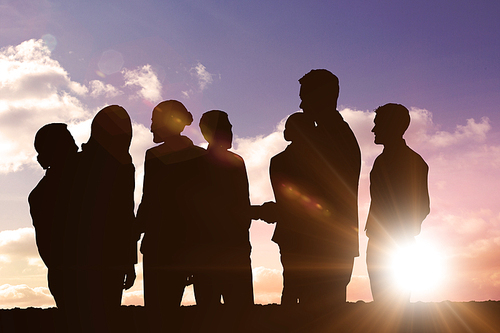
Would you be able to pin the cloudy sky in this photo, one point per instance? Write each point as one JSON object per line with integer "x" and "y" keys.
{"x": 62, "y": 61}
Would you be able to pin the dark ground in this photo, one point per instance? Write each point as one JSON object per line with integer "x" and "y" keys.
{"x": 354, "y": 317}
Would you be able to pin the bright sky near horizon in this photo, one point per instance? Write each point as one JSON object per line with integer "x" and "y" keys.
{"x": 61, "y": 61}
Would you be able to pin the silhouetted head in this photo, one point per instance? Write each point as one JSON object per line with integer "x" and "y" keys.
{"x": 169, "y": 119}
{"x": 111, "y": 129}
{"x": 391, "y": 122}
{"x": 298, "y": 127}
{"x": 319, "y": 91}
{"x": 54, "y": 144}
{"x": 217, "y": 129}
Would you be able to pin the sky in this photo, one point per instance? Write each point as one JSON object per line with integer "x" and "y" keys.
{"x": 62, "y": 61}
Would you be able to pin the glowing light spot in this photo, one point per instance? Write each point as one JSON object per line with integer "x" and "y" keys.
{"x": 111, "y": 62}
{"x": 101, "y": 74}
{"x": 417, "y": 268}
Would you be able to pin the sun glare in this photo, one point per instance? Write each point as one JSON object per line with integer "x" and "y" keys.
{"x": 418, "y": 267}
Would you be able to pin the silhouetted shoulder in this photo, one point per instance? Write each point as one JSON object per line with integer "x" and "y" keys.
{"x": 417, "y": 158}
{"x": 402, "y": 155}
{"x": 235, "y": 160}
{"x": 177, "y": 151}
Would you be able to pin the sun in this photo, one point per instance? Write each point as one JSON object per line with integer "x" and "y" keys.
{"x": 418, "y": 267}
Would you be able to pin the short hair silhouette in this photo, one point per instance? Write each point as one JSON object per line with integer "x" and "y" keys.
{"x": 321, "y": 78}
{"x": 396, "y": 117}
{"x": 216, "y": 127}
{"x": 52, "y": 143}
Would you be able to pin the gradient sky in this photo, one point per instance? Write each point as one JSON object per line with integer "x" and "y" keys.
{"x": 61, "y": 61}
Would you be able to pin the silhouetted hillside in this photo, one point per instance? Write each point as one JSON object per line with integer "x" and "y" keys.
{"x": 354, "y": 317}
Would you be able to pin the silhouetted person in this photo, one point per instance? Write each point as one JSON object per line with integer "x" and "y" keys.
{"x": 49, "y": 203}
{"x": 399, "y": 201}
{"x": 163, "y": 215}
{"x": 223, "y": 202}
{"x": 335, "y": 172}
{"x": 103, "y": 204}
{"x": 295, "y": 208}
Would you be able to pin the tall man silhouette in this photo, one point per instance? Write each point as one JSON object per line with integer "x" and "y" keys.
{"x": 225, "y": 268}
{"x": 335, "y": 174}
{"x": 399, "y": 201}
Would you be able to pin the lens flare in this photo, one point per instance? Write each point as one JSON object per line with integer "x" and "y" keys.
{"x": 417, "y": 267}
{"x": 111, "y": 62}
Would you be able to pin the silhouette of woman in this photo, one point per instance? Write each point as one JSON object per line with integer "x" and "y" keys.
{"x": 162, "y": 213}
{"x": 57, "y": 154}
{"x": 106, "y": 246}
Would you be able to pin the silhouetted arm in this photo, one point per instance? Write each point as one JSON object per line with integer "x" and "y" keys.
{"x": 42, "y": 220}
{"x": 420, "y": 196}
{"x": 242, "y": 199}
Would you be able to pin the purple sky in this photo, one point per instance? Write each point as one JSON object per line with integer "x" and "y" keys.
{"x": 430, "y": 54}
{"x": 440, "y": 59}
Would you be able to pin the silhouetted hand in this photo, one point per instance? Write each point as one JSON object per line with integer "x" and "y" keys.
{"x": 254, "y": 211}
{"x": 268, "y": 212}
{"x": 129, "y": 277}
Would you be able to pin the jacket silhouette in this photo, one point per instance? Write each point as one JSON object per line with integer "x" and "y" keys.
{"x": 297, "y": 207}
{"x": 163, "y": 215}
{"x": 335, "y": 172}
{"x": 399, "y": 201}
{"x": 221, "y": 198}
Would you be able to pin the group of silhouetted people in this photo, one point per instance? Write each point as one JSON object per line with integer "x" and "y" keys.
{"x": 195, "y": 212}
{"x": 83, "y": 213}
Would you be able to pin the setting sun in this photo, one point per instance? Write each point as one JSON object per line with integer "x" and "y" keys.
{"x": 418, "y": 267}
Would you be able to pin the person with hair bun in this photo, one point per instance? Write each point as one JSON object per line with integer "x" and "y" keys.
{"x": 162, "y": 214}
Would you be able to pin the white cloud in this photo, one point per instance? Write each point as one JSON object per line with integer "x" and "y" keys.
{"x": 257, "y": 152}
{"x": 361, "y": 123}
{"x": 98, "y": 88}
{"x": 146, "y": 79}
{"x": 133, "y": 297}
{"x": 141, "y": 141}
{"x": 23, "y": 296}
{"x": 22, "y": 274}
{"x": 34, "y": 90}
{"x": 18, "y": 245}
{"x": 267, "y": 284}
{"x": 424, "y": 131}
{"x": 202, "y": 75}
